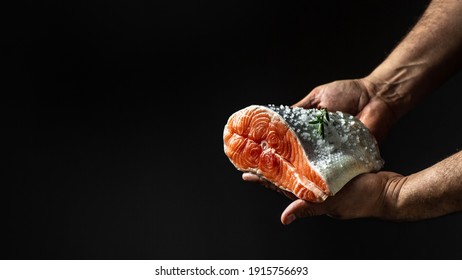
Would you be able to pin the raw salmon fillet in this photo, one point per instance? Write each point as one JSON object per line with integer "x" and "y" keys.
{"x": 282, "y": 145}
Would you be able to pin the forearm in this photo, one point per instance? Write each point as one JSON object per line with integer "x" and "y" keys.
{"x": 427, "y": 56}
{"x": 433, "y": 192}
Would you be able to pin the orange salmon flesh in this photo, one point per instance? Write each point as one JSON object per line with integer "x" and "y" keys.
{"x": 259, "y": 141}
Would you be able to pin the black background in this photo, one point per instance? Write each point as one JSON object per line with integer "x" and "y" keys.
{"x": 112, "y": 121}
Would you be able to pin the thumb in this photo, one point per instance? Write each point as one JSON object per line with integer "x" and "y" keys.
{"x": 377, "y": 119}
{"x": 301, "y": 208}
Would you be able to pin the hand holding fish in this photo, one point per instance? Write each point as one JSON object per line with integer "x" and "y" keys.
{"x": 357, "y": 97}
{"x": 428, "y": 56}
{"x": 367, "y": 195}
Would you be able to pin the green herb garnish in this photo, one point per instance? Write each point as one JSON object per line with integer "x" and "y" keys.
{"x": 321, "y": 120}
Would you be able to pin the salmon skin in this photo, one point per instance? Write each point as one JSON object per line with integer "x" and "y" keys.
{"x": 286, "y": 146}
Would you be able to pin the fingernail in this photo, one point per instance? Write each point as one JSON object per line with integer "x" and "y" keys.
{"x": 290, "y": 218}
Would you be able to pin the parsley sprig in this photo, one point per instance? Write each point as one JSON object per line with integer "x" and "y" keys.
{"x": 321, "y": 120}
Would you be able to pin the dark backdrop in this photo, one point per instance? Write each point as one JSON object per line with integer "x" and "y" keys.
{"x": 112, "y": 121}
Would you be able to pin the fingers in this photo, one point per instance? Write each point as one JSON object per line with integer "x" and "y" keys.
{"x": 249, "y": 177}
{"x": 297, "y": 209}
{"x": 300, "y": 209}
{"x": 288, "y": 194}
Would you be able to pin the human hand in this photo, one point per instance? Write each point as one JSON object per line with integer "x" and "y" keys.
{"x": 357, "y": 97}
{"x": 367, "y": 195}
{"x": 360, "y": 98}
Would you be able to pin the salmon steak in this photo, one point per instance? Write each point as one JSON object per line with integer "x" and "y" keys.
{"x": 311, "y": 153}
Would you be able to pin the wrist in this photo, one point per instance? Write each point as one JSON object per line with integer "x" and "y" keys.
{"x": 403, "y": 79}
{"x": 396, "y": 87}
{"x": 392, "y": 198}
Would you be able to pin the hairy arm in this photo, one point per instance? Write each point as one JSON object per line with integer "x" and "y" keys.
{"x": 432, "y": 192}
{"x": 426, "y": 57}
